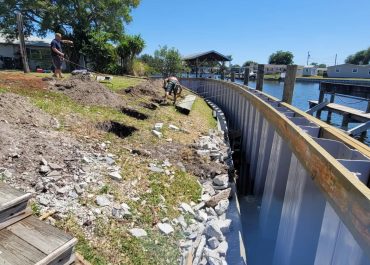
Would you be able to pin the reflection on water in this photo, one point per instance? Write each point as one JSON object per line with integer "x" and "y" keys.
{"x": 305, "y": 91}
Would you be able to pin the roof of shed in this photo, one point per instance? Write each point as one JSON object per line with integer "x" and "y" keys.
{"x": 209, "y": 56}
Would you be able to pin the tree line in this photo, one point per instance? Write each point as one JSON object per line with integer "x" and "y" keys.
{"x": 97, "y": 29}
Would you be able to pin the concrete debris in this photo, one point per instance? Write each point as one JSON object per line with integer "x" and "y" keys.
{"x": 138, "y": 232}
{"x": 165, "y": 228}
{"x": 173, "y": 127}
{"x": 102, "y": 201}
{"x": 223, "y": 195}
{"x": 158, "y": 126}
{"x": 213, "y": 242}
{"x": 213, "y": 230}
{"x": 186, "y": 208}
{"x": 115, "y": 175}
{"x": 221, "y": 180}
{"x": 222, "y": 207}
{"x": 157, "y": 134}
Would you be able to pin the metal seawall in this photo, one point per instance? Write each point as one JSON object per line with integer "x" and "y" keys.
{"x": 307, "y": 183}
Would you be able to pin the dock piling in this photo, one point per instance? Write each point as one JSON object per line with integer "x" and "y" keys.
{"x": 246, "y": 76}
{"x": 289, "y": 83}
{"x": 332, "y": 97}
{"x": 260, "y": 75}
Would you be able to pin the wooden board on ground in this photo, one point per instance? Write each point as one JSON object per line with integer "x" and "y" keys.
{"x": 31, "y": 241}
{"x": 12, "y": 202}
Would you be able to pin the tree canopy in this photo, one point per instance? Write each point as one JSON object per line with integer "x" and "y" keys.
{"x": 359, "y": 58}
{"x": 281, "y": 57}
{"x": 129, "y": 47}
{"x": 249, "y": 63}
{"x": 85, "y": 22}
{"x": 167, "y": 61}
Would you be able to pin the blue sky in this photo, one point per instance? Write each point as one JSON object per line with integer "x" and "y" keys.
{"x": 252, "y": 30}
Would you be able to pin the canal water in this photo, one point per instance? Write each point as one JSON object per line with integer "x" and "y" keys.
{"x": 305, "y": 91}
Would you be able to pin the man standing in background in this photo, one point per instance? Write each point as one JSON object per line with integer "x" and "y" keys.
{"x": 57, "y": 54}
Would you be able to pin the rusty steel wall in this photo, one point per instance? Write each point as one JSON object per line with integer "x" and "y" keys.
{"x": 294, "y": 221}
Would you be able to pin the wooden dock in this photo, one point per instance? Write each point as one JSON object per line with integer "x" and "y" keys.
{"x": 349, "y": 114}
{"x": 24, "y": 239}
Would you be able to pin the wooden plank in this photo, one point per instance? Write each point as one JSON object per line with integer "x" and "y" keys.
{"x": 355, "y": 113}
{"x": 44, "y": 237}
{"x": 15, "y": 218}
{"x": 15, "y": 251}
{"x": 8, "y": 193}
{"x": 318, "y": 107}
{"x": 13, "y": 211}
{"x": 62, "y": 255}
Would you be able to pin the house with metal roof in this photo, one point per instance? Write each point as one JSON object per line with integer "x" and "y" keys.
{"x": 349, "y": 71}
{"x": 202, "y": 61}
{"x": 38, "y": 53}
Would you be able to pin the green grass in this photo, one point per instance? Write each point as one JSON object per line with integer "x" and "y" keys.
{"x": 272, "y": 76}
{"x": 120, "y": 82}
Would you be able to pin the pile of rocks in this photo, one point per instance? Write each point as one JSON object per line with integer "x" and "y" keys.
{"x": 61, "y": 186}
{"x": 214, "y": 146}
{"x": 205, "y": 241}
{"x": 205, "y": 235}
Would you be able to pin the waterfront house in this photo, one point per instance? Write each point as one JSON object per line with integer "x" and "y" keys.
{"x": 349, "y": 71}
{"x": 309, "y": 70}
{"x": 38, "y": 52}
{"x": 271, "y": 69}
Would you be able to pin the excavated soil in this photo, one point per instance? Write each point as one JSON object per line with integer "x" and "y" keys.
{"x": 15, "y": 109}
{"x": 25, "y": 138}
{"x": 149, "y": 88}
{"x": 85, "y": 91}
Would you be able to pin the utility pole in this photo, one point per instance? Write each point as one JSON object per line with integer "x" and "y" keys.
{"x": 22, "y": 45}
{"x": 308, "y": 57}
{"x": 336, "y": 56}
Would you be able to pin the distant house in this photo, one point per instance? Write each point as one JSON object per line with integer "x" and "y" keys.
{"x": 299, "y": 70}
{"x": 309, "y": 70}
{"x": 38, "y": 52}
{"x": 271, "y": 69}
{"x": 349, "y": 71}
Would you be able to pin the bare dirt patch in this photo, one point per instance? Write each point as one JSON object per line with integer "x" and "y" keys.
{"x": 117, "y": 128}
{"x": 16, "y": 109}
{"x": 20, "y": 80}
{"x": 85, "y": 91}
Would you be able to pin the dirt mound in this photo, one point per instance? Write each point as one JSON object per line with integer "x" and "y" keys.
{"x": 152, "y": 88}
{"x": 85, "y": 91}
{"x": 15, "y": 109}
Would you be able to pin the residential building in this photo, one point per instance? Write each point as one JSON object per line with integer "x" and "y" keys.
{"x": 309, "y": 70}
{"x": 349, "y": 71}
{"x": 38, "y": 53}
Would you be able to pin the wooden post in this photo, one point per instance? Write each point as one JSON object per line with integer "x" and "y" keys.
{"x": 368, "y": 106}
{"x": 332, "y": 97}
{"x": 260, "y": 75}
{"x": 246, "y": 76}
{"x": 345, "y": 121}
{"x": 232, "y": 77}
{"x": 321, "y": 99}
{"x": 196, "y": 68}
{"x": 289, "y": 83}
{"x": 22, "y": 45}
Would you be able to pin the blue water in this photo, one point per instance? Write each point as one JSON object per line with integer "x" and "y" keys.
{"x": 305, "y": 91}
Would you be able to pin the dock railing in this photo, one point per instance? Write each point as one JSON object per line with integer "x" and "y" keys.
{"x": 311, "y": 179}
